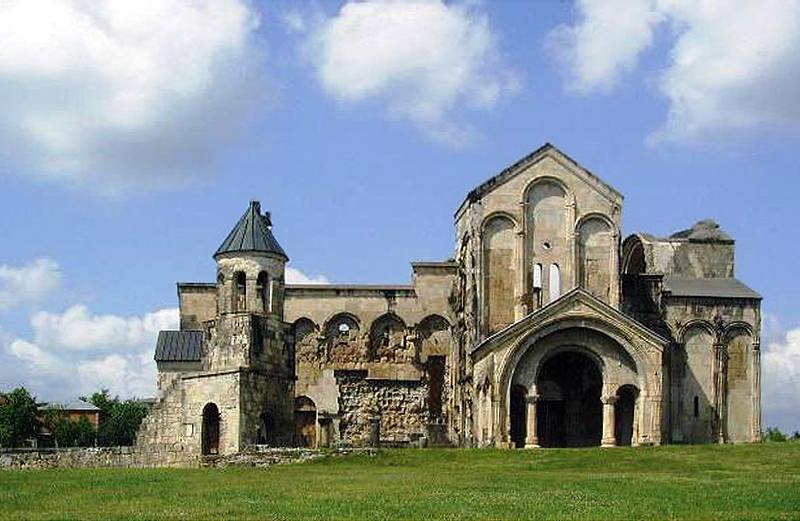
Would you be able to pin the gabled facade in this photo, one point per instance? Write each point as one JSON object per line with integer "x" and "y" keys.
{"x": 544, "y": 329}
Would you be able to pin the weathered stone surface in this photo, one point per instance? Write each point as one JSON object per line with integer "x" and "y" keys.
{"x": 464, "y": 354}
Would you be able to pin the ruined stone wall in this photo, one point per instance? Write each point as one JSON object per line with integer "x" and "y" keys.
{"x": 686, "y": 258}
{"x": 198, "y": 303}
{"x": 392, "y": 335}
{"x": 400, "y": 405}
{"x": 267, "y": 409}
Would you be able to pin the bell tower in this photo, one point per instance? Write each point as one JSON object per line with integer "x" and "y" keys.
{"x": 251, "y": 267}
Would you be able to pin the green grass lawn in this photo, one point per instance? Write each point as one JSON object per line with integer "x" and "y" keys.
{"x": 702, "y": 482}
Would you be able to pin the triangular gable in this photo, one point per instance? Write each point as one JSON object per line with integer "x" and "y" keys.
{"x": 546, "y": 150}
{"x": 563, "y": 305}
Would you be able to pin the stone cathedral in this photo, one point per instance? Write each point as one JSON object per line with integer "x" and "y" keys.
{"x": 545, "y": 329}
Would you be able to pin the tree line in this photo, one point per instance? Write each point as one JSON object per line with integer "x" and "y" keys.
{"x": 21, "y": 419}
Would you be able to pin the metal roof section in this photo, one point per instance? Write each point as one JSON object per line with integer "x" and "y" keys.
{"x": 706, "y": 230}
{"x": 717, "y": 288}
{"x": 253, "y": 233}
{"x": 179, "y": 346}
{"x": 75, "y": 405}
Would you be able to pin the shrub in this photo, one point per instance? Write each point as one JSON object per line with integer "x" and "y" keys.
{"x": 120, "y": 419}
{"x": 774, "y": 434}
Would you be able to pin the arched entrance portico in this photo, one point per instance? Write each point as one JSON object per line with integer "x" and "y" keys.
{"x": 559, "y": 389}
{"x": 569, "y": 412}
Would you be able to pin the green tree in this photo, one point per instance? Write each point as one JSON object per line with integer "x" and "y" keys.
{"x": 85, "y": 433}
{"x": 18, "y": 418}
{"x": 120, "y": 420}
{"x": 774, "y": 434}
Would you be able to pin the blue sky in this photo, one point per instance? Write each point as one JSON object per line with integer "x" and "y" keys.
{"x": 360, "y": 152}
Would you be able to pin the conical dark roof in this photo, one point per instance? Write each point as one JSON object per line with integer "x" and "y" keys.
{"x": 252, "y": 234}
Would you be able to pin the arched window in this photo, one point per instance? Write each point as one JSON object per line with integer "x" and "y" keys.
{"x": 342, "y": 334}
{"x": 262, "y": 287}
{"x": 239, "y": 291}
{"x": 387, "y": 339}
{"x": 555, "y": 282}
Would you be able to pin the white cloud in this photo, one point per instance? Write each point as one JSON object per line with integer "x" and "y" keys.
{"x": 78, "y": 352}
{"x": 116, "y": 95}
{"x": 293, "y": 22}
{"x": 295, "y": 276}
{"x": 780, "y": 365}
{"x": 77, "y": 329}
{"x": 731, "y": 69}
{"x": 29, "y": 283}
{"x": 39, "y": 359}
{"x": 424, "y": 59}
{"x": 604, "y": 45}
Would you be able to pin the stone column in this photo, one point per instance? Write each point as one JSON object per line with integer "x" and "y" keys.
{"x": 756, "y": 391}
{"x": 720, "y": 391}
{"x": 521, "y": 305}
{"x": 531, "y": 435}
{"x": 609, "y": 436}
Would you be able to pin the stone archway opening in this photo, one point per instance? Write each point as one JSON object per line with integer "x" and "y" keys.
{"x": 624, "y": 418}
{"x": 210, "y": 433}
{"x": 305, "y": 421}
{"x": 569, "y": 412}
{"x": 518, "y": 429}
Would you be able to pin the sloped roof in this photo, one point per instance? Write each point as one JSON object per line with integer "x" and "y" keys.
{"x": 511, "y": 171}
{"x": 179, "y": 346}
{"x": 75, "y": 405}
{"x": 718, "y": 288}
{"x": 252, "y": 234}
{"x": 705, "y": 230}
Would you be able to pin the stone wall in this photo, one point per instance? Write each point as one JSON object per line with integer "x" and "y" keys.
{"x": 163, "y": 456}
{"x": 126, "y": 457}
{"x": 400, "y": 405}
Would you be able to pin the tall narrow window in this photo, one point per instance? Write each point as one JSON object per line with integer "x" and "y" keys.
{"x": 696, "y": 407}
{"x": 263, "y": 289}
{"x": 537, "y": 286}
{"x": 239, "y": 292}
{"x": 555, "y": 282}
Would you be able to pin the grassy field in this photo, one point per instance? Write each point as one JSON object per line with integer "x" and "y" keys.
{"x": 703, "y": 482}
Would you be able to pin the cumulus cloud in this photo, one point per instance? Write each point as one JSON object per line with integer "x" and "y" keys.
{"x": 603, "y": 45}
{"x": 77, "y": 329}
{"x": 295, "y": 276}
{"x": 29, "y": 283}
{"x": 117, "y": 95}
{"x": 423, "y": 59}
{"x": 780, "y": 365}
{"x": 729, "y": 70}
{"x": 78, "y": 352}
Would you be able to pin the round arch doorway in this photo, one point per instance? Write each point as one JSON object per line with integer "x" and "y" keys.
{"x": 569, "y": 412}
{"x": 210, "y": 434}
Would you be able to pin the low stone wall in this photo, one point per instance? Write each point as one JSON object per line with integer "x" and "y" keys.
{"x": 156, "y": 457}
{"x": 95, "y": 457}
{"x": 263, "y": 456}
